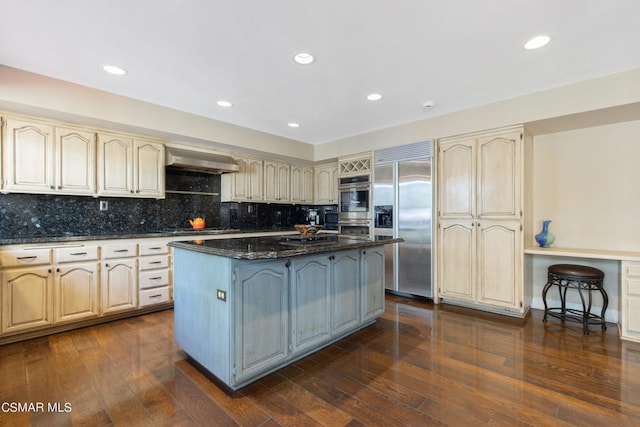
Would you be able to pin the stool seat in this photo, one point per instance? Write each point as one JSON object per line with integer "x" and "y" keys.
{"x": 584, "y": 279}
{"x": 577, "y": 271}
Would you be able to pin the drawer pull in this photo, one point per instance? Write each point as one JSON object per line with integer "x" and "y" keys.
{"x": 78, "y": 253}
{"x": 155, "y": 278}
{"x": 27, "y": 257}
{"x": 155, "y": 296}
{"x": 121, "y": 250}
{"x": 157, "y": 248}
{"x": 155, "y": 262}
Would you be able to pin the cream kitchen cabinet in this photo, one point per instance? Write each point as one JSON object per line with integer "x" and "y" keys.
{"x": 276, "y": 181}
{"x": 27, "y": 286}
{"x": 76, "y": 284}
{"x": 154, "y": 273}
{"x": 301, "y": 184}
{"x": 40, "y": 157}
{"x": 130, "y": 167}
{"x": 630, "y": 301}
{"x": 326, "y": 184}
{"x": 246, "y": 184}
{"x": 119, "y": 277}
{"x": 480, "y": 221}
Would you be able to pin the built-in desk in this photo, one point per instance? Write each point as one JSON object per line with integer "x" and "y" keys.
{"x": 629, "y": 272}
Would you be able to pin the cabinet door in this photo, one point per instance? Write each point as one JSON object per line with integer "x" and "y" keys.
{"x": 630, "y": 301}
{"x": 326, "y": 185}
{"x": 26, "y": 299}
{"x": 372, "y": 283}
{"x": 149, "y": 168}
{"x": 115, "y": 165}
{"x": 276, "y": 181}
{"x": 75, "y": 161}
{"x": 28, "y": 149}
{"x": 499, "y": 176}
{"x": 456, "y": 259}
{"x": 255, "y": 188}
{"x": 76, "y": 292}
{"x": 301, "y": 184}
{"x": 345, "y": 293}
{"x": 261, "y": 315}
{"x": 311, "y": 286}
{"x": 457, "y": 168}
{"x": 119, "y": 287}
{"x": 499, "y": 263}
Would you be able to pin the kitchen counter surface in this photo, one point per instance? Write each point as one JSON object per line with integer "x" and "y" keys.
{"x": 71, "y": 237}
{"x": 274, "y": 247}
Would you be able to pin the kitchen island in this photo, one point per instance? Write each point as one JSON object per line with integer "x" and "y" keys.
{"x": 246, "y": 307}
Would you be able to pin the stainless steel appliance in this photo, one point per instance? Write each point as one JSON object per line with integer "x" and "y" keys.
{"x": 402, "y": 197}
{"x": 354, "y": 206}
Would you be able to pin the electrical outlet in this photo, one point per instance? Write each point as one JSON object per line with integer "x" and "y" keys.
{"x": 104, "y": 205}
{"x": 222, "y": 295}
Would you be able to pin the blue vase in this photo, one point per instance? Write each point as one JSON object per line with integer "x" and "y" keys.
{"x": 544, "y": 238}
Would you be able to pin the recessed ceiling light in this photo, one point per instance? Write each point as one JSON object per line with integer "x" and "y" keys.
{"x": 303, "y": 58}
{"x": 113, "y": 69}
{"x": 374, "y": 97}
{"x": 537, "y": 42}
{"x": 294, "y": 125}
{"x": 223, "y": 103}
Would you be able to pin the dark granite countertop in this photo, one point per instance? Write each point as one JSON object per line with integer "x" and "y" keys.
{"x": 274, "y": 247}
{"x": 70, "y": 237}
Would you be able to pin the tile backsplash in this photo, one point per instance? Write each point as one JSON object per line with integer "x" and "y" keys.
{"x": 189, "y": 195}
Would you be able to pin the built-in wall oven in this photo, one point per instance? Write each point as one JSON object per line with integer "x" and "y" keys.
{"x": 354, "y": 205}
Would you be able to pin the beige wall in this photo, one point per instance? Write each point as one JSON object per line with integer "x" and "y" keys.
{"x": 587, "y": 181}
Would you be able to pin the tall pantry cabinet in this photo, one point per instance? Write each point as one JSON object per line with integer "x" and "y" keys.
{"x": 483, "y": 199}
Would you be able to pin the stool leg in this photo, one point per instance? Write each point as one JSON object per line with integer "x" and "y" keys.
{"x": 605, "y": 303}
{"x": 587, "y": 312}
{"x": 544, "y": 299}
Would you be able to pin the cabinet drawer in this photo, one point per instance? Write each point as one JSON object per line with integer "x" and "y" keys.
{"x": 20, "y": 257}
{"x": 633, "y": 271}
{"x": 153, "y": 278}
{"x": 119, "y": 250}
{"x": 153, "y": 248}
{"x": 154, "y": 296}
{"x": 79, "y": 253}
{"x": 151, "y": 262}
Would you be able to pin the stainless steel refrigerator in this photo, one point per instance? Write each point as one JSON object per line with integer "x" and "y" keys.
{"x": 402, "y": 199}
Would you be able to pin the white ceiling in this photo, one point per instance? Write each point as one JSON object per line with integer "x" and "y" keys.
{"x": 187, "y": 54}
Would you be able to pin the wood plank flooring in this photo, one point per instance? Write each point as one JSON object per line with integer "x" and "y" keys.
{"x": 418, "y": 365}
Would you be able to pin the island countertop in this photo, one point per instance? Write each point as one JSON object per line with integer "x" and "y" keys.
{"x": 275, "y": 247}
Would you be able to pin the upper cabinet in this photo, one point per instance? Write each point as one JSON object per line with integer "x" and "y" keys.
{"x": 44, "y": 157}
{"x": 480, "y": 177}
{"x": 326, "y": 184}
{"x": 276, "y": 181}
{"x": 129, "y": 167}
{"x": 39, "y": 157}
{"x": 246, "y": 184}
{"x": 301, "y": 184}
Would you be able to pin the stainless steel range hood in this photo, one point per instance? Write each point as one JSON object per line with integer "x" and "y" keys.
{"x": 178, "y": 158}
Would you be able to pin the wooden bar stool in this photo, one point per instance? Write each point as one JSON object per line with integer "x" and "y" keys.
{"x": 585, "y": 280}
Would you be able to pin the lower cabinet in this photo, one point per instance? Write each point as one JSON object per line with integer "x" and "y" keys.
{"x": 261, "y": 316}
{"x": 76, "y": 292}
{"x": 310, "y": 301}
{"x": 26, "y": 298}
{"x": 630, "y": 301}
{"x": 242, "y": 319}
{"x": 119, "y": 287}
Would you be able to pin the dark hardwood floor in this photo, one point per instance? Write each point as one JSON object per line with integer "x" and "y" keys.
{"x": 418, "y": 365}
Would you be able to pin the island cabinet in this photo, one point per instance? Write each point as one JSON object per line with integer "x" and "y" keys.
{"x": 481, "y": 206}
{"x": 242, "y": 319}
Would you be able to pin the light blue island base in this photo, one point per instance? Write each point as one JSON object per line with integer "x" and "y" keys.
{"x": 242, "y": 319}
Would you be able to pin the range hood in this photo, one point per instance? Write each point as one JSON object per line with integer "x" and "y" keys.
{"x": 178, "y": 158}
